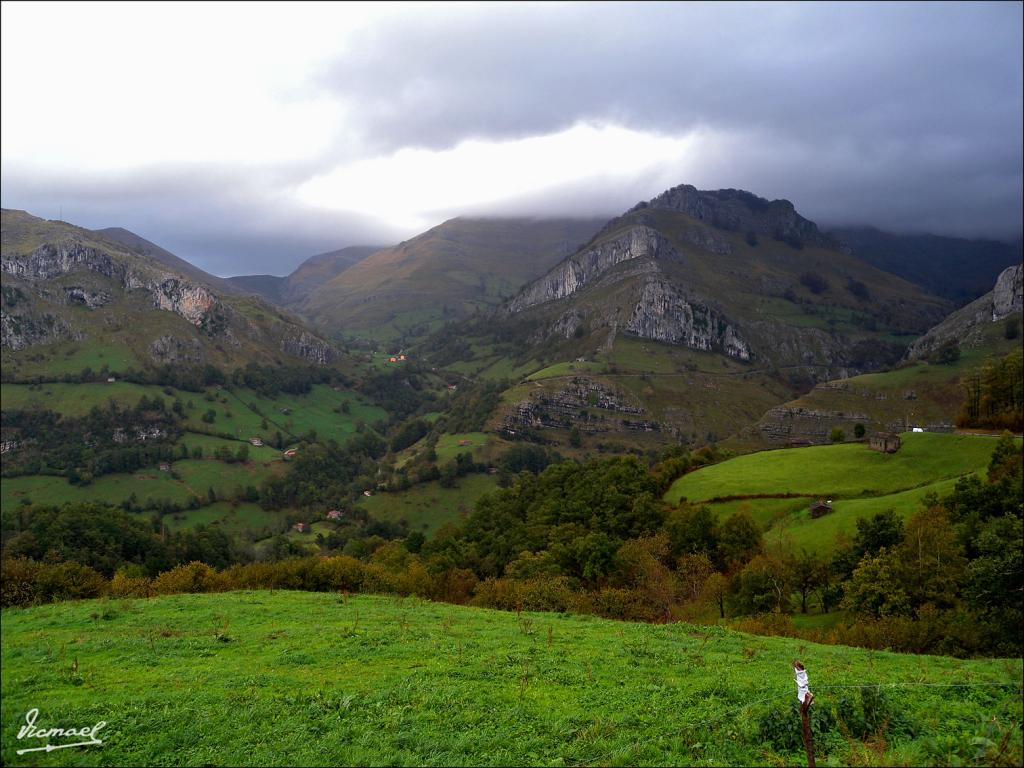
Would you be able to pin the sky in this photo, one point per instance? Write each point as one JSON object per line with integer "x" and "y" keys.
{"x": 246, "y": 137}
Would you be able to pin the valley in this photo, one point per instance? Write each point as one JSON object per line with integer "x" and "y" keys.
{"x": 666, "y": 423}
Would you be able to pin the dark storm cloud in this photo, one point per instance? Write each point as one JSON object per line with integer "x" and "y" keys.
{"x": 907, "y": 115}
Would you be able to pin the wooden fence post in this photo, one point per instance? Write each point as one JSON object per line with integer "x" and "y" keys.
{"x": 806, "y": 698}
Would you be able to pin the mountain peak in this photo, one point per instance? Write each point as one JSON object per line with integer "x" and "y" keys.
{"x": 737, "y": 210}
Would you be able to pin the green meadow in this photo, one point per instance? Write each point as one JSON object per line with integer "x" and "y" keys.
{"x": 860, "y": 482}
{"x": 428, "y": 506}
{"x": 849, "y": 469}
{"x": 188, "y": 478}
{"x": 238, "y": 413}
{"x": 365, "y": 680}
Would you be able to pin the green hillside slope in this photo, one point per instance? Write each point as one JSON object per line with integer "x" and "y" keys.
{"x": 777, "y": 487}
{"x": 271, "y": 678}
{"x": 74, "y": 297}
{"x": 447, "y": 272}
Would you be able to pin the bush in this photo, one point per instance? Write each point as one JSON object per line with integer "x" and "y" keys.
{"x": 191, "y": 577}
{"x": 814, "y": 282}
{"x": 18, "y": 582}
{"x": 130, "y": 581}
{"x": 837, "y": 435}
{"x": 858, "y": 289}
{"x": 68, "y": 581}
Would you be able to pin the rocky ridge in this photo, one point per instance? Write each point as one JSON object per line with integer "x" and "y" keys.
{"x": 961, "y": 327}
{"x": 52, "y": 271}
{"x": 659, "y": 311}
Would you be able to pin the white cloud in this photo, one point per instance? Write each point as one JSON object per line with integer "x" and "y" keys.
{"x": 411, "y": 186}
{"x": 111, "y": 87}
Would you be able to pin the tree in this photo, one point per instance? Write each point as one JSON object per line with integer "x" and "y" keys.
{"x": 694, "y": 571}
{"x": 739, "y": 540}
{"x": 931, "y": 565}
{"x": 837, "y": 435}
{"x": 716, "y": 588}
{"x": 875, "y": 589}
{"x": 692, "y": 530}
{"x": 762, "y": 586}
{"x": 859, "y": 431}
{"x": 574, "y": 437}
{"x": 814, "y": 282}
{"x": 807, "y": 572}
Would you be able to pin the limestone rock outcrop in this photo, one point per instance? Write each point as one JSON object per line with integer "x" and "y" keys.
{"x": 588, "y": 264}
{"x": 961, "y": 327}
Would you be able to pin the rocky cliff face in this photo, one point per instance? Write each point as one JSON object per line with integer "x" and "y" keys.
{"x": 308, "y": 347}
{"x": 168, "y": 292}
{"x": 588, "y": 264}
{"x": 663, "y": 314}
{"x": 1008, "y": 295}
{"x": 22, "y": 331}
{"x": 46, "y": 287}
{"x": 660, "y": 311}
{"x": 1006, "y": 298}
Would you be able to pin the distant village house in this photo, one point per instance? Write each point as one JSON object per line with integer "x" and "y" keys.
{"x": 884, "y": 442}
{"x": 334, "y": 514}
{"x": 820, "y": 508}
{"x": 257, "y": 441}
{"x": 165, "y": 467}
{"x": 301, "y": 527}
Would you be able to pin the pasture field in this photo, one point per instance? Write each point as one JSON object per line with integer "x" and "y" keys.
{"x": 210, "y": 444}
{"x": 238, "y": 413}
{"x": 844, "y": 470}
{"x": 77, "y": 399}
{"x": 448, "y": 447}
{"x": 860, "y": 482}
{"x": 195, "y": 477}
{"x": 271, "y": 678}
{"x": 428, "y": 506}
{"x": 232, "y": 518}
{"x": 72, "y": 356}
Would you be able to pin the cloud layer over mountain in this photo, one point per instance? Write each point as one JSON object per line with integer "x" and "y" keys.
{"x": 246, "y": 141}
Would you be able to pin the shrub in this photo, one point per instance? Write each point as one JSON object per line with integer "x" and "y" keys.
{"x": 68, "y": 581}
{"x": 341, "y": 573}
{"x": 814, "y": 282}
{"x": 191, "y": 577}
{"x": 837, "y": 435}
{"x": 130, "y": 581}
{"x": 18, "y": 582}
{"x": 858, "y": 289}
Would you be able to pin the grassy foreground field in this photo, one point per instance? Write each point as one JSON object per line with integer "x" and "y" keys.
{"x": 261, "y": 678}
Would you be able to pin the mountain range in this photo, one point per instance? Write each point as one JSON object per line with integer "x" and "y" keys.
{"x": 689, "y": 316}
{"x": 75, "y": 298}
